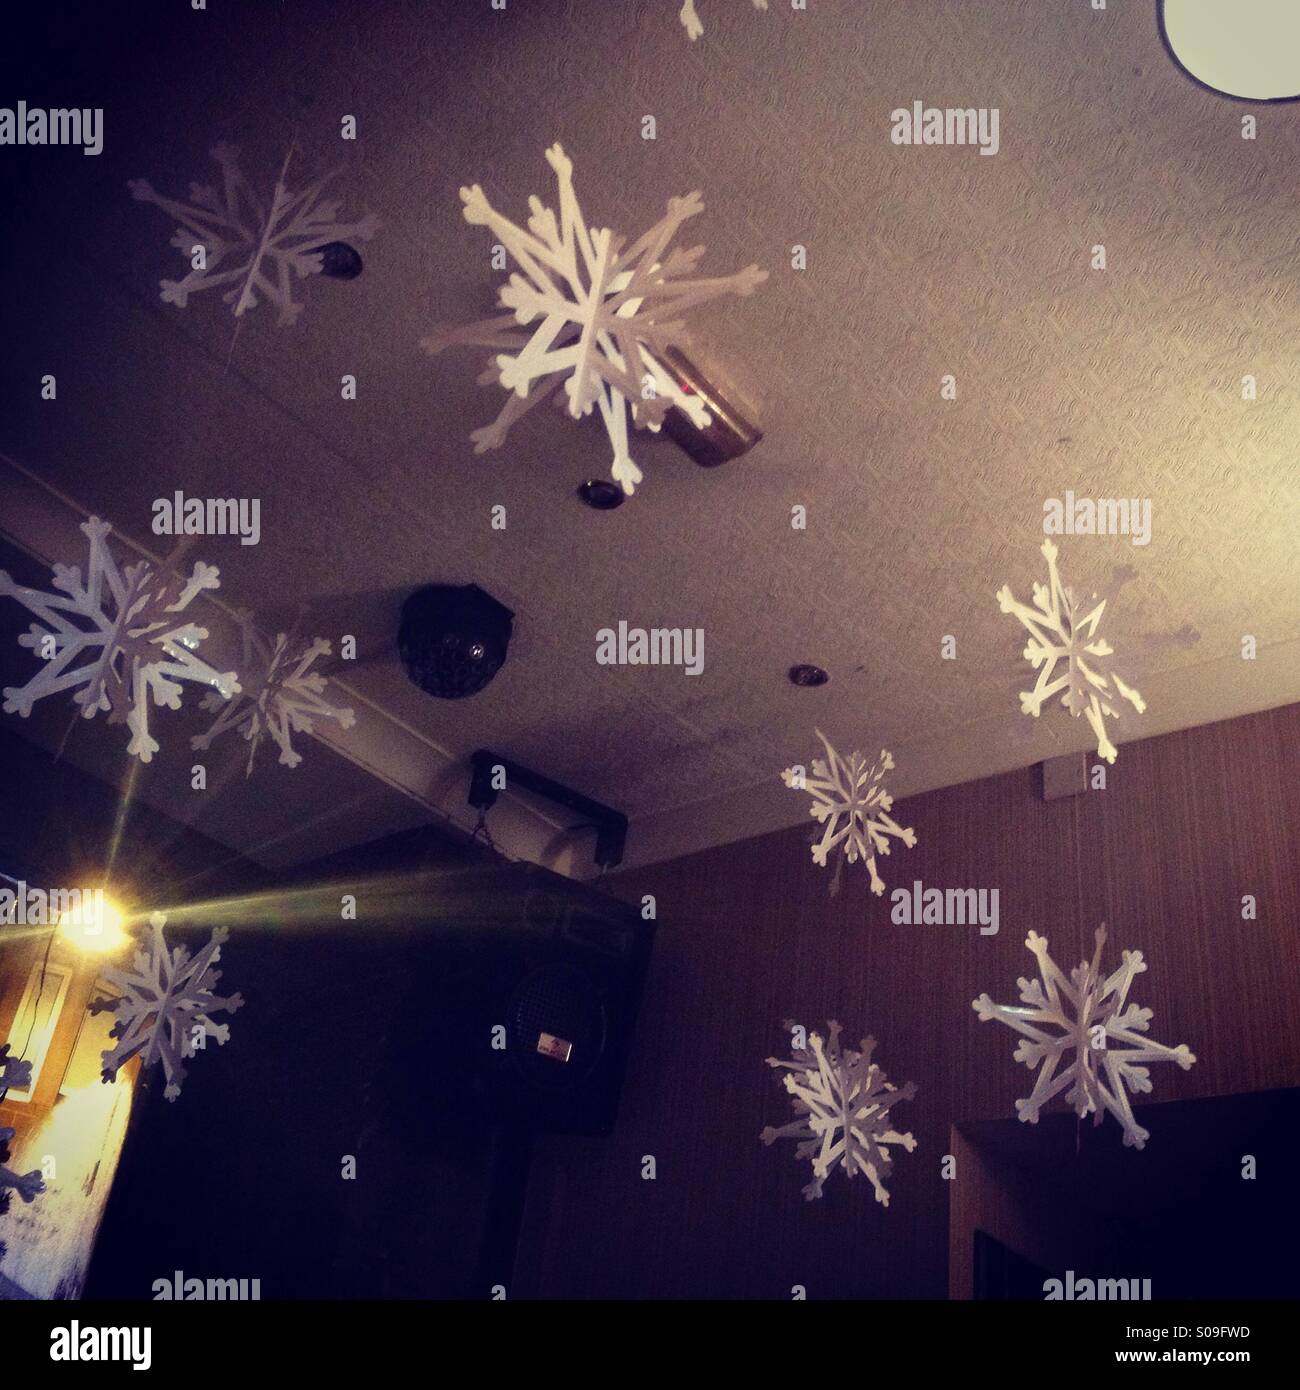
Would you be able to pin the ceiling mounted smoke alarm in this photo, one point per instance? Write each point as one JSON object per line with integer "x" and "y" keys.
{"x": 453, "y": 639}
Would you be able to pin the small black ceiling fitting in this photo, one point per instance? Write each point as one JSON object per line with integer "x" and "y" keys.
{"x": 601, "y": 495}
{"x": 610, "y": 825}
{"x": 340, "y": 261}
{"x": 453, "y": 639}
{"x": 807, "y": 675}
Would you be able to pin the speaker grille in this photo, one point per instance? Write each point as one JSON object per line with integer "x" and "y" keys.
{"x": 564, "y": 1002}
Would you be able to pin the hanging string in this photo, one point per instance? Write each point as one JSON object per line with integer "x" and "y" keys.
{"x": 266, "y": 233}
{"x": 1078, "y": 885}
{"x": 481, "y": 832}
{"x": 67, "y": 734}
{"x": 40, "y": 991}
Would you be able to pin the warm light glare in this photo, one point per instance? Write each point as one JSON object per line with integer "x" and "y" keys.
{"x": 95, "y": 925}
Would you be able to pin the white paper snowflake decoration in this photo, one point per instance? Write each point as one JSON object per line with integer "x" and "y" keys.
{"x": 849, "y": 799}
{"x": 127, "y": 624}
{"x": 255, "y": 246}
{"x": 603, "y": 317}
{"x": 1061, "y": 630}
{"x": 15, "y": 1074}
{"x": 26, "y": 1185}
{"x": 280, "y": 694}
{"x": 691, "y": 20}
{"x": 844, "y": 1101}
{"x": 165, "y": 1006}
{"x": 1084, "y": 1015}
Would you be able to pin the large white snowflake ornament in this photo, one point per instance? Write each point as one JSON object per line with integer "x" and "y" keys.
{"x": 603, "y": 317}
{"x": 127, "y": 624}
{"x": 280, "y": 695}
{"x": 848, "y": 798}
{"x": 1084, "y": 1015}
{"x": 15, "y": 1074}
{"x": 166, "y": 1005}
{"x": 1063, "y": 627}
{"x": 253, "y": 245}
{"x": 26, "y": 1185}
{"x": 844, "y": 1101}
{"x": 691, "y": 20}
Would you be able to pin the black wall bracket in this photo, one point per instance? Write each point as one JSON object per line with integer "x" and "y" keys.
{"x": 611, "y": 825}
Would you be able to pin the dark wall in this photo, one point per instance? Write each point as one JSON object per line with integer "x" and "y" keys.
{"x": 748, "y": 936}
{"x": 242, "y": 1176}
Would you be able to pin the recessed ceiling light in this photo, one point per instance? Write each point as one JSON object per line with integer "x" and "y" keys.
{"x": 1249, "y": 49}
{"x": 806, "y": 674}
{"x": 601, "y": 495}
{"x": 453, "y": 639}
{"x": 340, "y": 261}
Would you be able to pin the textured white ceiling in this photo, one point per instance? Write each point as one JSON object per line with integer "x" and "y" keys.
{"x": 921, "y": 261}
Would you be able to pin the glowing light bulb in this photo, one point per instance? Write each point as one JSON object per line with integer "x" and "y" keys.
{"x": 95, "y": 925}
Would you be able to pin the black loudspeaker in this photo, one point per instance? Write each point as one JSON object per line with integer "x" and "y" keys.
{"x": 534, "y": 998}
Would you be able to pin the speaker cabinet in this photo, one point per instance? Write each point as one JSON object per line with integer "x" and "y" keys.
{"x": 534, "y": 997}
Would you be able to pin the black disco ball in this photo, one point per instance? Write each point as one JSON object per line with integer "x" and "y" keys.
{"x": 453, "y": 639}
{"x": 340, "y": 261}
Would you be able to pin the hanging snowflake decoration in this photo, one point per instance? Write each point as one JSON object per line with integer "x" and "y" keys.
{"x": 26, "y": 1185}
{"x": 604, "y": 317}
{"x": 1060, "y": 630}
{"x": 844, "y": 1101}
{"x": 280, "y": 694}
{"x": 691, "y": 20}
{"x": 15, "y": 1074}
{"x": 166, "y": 1005}
{"x": 127, "y": 624}
{"x": 240, "y": 240}
{"x": 848, "y": 798}
{"x": 1085, "y": 1014}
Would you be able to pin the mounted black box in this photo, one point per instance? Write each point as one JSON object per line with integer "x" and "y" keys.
{"x": 529, "y": 1019}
